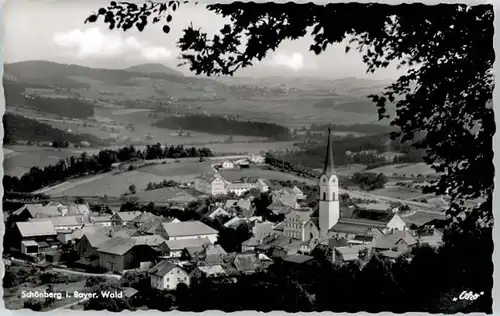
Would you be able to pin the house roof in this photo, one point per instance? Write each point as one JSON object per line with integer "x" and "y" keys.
{"x": 246, "y": 262}
{"x": 421, "y": 218}
{"x": 74, "y": 220}
{"x": 78, "y": 209}
{"x": 252, "y": 242}
{"x": 374, "y": 206}
{"x": 150, "y": 227}
{"x": 128, "y": 216}
{"x": 180, "y": 244}
{"x": 209, "y": 177}
{"x": 242, "y": 186}
{"x": 298, "y": 258}
{"x": 146, "y": 217}
{"x": 230, "y": 203}
{"x": 353, "y": 229}
{"x": 129, "y": 291}
{"x": 390, "y": 240}
{"x": 150, "y": 240}
{"x": 302, "y": 215}
{"x": 162, "y": 268}
{"x": 36, "y": 228}
{"x": 235, "y": 222}
{"x": 245, "y": 204}
{"x": 97, "y": 235}
{"x": 117, "y": 246}
{"x": 391, "y": 254}
{"x": 214, "y": 250}
{"x": 351, "y": 252}
{"x": 214, "y": 270}
{"x": 28, "y": 243}
{"x": 100, "y": 218}
{"x": 365, "y": 222}
{"x": 39, "y": 210}
{"x": 188, "y": 229}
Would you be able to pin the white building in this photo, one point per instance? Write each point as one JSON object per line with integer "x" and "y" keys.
{"x": 212, "y": 184}
{"x": 167, "y": 276}
{"x": 257, "y": 159}
{"x": 227, "y": 164}
{"x": 239, "y": 188}
{"x": 188, "y": 230}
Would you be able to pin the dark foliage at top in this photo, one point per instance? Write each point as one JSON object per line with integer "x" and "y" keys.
{"x": 225, "y": 126}
{"x": 18, "y": 127}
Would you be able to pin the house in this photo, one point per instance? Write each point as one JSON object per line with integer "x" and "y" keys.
{"x": 262, "y": 229}
{"x": 124, "y": 218}
{"x": 428, "y": 235}
{"x": 167, "y": 276}
{"x": 298, "y": 259}
{"x": 29, "y": 211}
{"x": 143, "y": 218}
{"x": 299, "y": 225}
{"x": 230, "y": 204}
{"x": 262, "y": 185}
{"x": 251, "y": 244}
{"x": 350, "y": 228}
{"x": 239, "y": 188}
{"x": 227, "y": 164}
{"x": 246, "y": 263}
{"x": 188, "y": 230}
{"x": 153, "y": 227}
{"x": 349, "y": 253}
{"x": 215, "y": 271}
{"x": 398, "y": 241}
{"x": 116, "y": 254}
{"x": 235, "y": 222}
{"x": 102, "y": 220}
{"x": 64, "y": 223}
{"x": 90, "y": 238}
{"x": 176, "y": 248}
{"x": 212, "y": 184}
{"x": 257, "y": 159}
{"x": 212, "y": 255}
{"x": 244, "y": 164}
{"x": 40, "y": 232}
{"x": 217, "y": 211}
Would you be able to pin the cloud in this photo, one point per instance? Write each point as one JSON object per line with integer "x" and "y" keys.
{"x": 94, "y": 43}
{"x": 293, "y": 61}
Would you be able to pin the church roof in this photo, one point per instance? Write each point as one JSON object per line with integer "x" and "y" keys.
{"x": 329, "y": 167}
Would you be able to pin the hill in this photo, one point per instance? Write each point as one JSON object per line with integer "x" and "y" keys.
{"x": 152, "y": 68}
{"x": 19, "y": 128}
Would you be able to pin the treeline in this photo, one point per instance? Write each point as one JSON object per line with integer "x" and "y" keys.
{"x": 364, "y": 150}
{"x": 356, "y": 128}
{"x": 19, "y": 128}
{"x": 85, "y": 164}
{"x": 66, "y": 107}
{"x": 369, "y": 180}
{"x": 220, "y": 125}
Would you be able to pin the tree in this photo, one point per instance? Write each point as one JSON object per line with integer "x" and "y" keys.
{"x": 132, "y": 189}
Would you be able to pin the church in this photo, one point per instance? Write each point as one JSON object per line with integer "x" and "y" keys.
{"x": 326, "y": 221}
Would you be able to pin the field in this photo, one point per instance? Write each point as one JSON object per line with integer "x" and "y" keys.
{"x": 398, "y": 192}
{"x": 22, "y": 158}
{"x": 236, "y": 174}
{"x": 405, "y": 169}
{"x": 114, "y": 185}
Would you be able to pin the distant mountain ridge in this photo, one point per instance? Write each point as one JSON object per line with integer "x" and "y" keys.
{"x": 151, "y": 68}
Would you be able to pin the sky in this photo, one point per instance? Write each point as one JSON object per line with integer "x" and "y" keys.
{"x": 54, "y": 30}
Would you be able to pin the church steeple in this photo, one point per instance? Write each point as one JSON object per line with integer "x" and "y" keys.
{"x": 329, "y": 169}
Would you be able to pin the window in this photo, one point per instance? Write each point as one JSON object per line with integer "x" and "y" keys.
{"x": 324, "y": 196}
{"x": 168, "y": 279}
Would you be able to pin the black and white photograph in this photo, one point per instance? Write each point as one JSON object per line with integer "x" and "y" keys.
{"x": 188, "y": 156}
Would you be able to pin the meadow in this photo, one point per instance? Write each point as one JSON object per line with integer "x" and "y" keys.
{"x": 398, "y": 192}
{"x": 405, "y": 169}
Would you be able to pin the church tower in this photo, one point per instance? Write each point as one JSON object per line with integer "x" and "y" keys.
{"x": 329, "y": 207}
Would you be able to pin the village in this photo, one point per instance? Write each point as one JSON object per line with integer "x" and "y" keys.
{"x": 73, "y": 239}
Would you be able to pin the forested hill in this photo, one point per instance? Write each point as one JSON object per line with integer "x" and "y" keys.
{"x": 220, "y": 125}
{"x": 22, "y": 128}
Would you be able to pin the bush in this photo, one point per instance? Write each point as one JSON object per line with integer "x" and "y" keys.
{"x": 53, "y": 277}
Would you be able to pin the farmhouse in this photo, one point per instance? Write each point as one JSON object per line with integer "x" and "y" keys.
{"x": 167, "y": 276}
{"x": 227, "y": 164}
{"x": 34, "y": 236}
{"x": 239, "y": 188}
{"x": 217, "y": 211}
{"x": 102, "y": 220}
{"x": 188, "y": 230}
{"x": 212, "y": 184}
{"x": 216, "y": 271}
{"x": 257, "y": 159}
{"x": 299, "y": 225}
{"x": 396, "y": 241}
{"x": 64, "y": 223}
{"x": 124, "y": 218}
{"x": 116, "y": 254}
